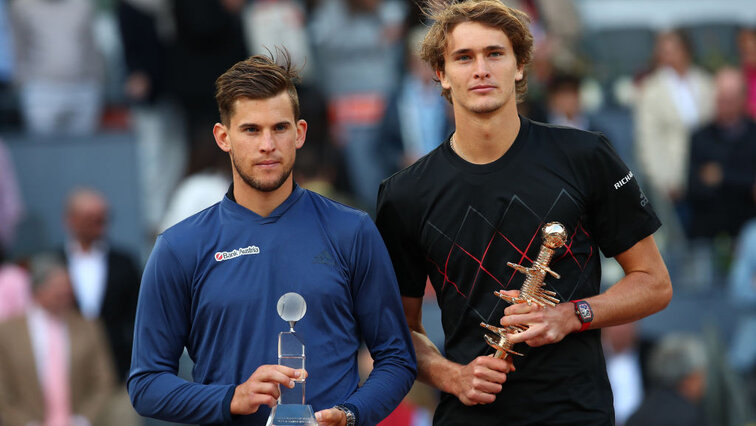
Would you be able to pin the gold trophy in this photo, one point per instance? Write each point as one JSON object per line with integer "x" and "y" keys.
{"x": 532, "y": 291}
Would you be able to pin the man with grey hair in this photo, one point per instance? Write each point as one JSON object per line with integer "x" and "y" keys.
{"x": 677, "y": 367}
{"x": 53, "y": 357}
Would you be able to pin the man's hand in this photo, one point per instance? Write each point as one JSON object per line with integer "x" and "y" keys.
{"x": 331, "y": 417}
{"x": 545, "y": 325}
{"x": 479, "y": 381}
{"x": 262, "y": 388}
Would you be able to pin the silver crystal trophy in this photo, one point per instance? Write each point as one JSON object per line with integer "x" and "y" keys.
{"x": 291, "y": 408}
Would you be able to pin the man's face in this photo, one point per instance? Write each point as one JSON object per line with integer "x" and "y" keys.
{"x": 55, "y": 295}
{"x": 262, "y": 139}
{"x": 88, "y": 218}
{"x": 480, "y": 68}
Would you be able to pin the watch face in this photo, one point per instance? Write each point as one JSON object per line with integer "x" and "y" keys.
{"x": 585, "y": 312}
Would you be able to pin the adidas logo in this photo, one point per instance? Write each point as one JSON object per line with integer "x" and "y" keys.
{"x": 324, "y": 258}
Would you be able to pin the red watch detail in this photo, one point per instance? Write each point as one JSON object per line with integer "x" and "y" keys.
{"x": 584, "y": 313}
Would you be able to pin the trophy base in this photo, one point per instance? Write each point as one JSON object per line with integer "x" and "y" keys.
{"x": 292, "y": 414}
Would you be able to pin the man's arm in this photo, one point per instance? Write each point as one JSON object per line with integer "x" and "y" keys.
{"x": 161, "y": 329}
{"x": 378, "y": 312}
{"x": 475, "y": 383}
{"x": 645, "y": 289}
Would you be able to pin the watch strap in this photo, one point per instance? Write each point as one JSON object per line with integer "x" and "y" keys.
{"x": 351, "y": 418}
{"x": 584, "y": 312}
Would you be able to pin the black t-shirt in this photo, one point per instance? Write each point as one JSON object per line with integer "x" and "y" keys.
{"x": 460, "y": 223}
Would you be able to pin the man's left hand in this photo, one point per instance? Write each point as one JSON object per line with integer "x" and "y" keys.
{"x": 331, "y": 417}
{"x": 545, "y": 325}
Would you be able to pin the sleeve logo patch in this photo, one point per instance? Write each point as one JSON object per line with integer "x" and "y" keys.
{"x": 242, "y": 251}
{"x": 623, "y": 181}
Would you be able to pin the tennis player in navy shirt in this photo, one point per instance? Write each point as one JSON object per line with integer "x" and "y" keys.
{"x": 212, "y": 282}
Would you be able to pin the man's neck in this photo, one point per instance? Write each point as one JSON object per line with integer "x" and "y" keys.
{"x": 484, "y": 138}
{"x": 260, "y": 202}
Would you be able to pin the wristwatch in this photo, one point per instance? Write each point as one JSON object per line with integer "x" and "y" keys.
{"x": 351, "y": 420}
{"x": 584, "y": 313}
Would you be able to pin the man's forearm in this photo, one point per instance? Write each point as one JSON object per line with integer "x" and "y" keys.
{"x": 432, "y": 368}
{"x": 635, "y": 296}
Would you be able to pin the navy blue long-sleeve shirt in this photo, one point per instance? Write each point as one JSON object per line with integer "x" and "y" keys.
{"x": 212, "y": 283}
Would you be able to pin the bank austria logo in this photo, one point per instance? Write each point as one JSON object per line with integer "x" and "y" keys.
{"x": 241, "y": 251}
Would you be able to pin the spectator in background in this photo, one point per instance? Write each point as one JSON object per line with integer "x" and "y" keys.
{"x": 623, "y": 366}
{"x": 209, "y": 39}
{"x": 11, "y": 206}
{"x": 747, "y": 49}
{"x": 105, "y": 284}
{"x": 145, "y": 27}
{"x": 417, "y": 117}
{"x": 15, "y": 295}
{"x": 55, "y": 368}
{"x": 677, "y": 366}
{"x": 6, "y": 50}
{"x": 675, "y": 98}
{"x": 563, "y": 106}
{"x": 59, "y": 68}
{"x": 742, "y": 289}
{"x": 722, "y": 172}
{"x": 199, "y": 190}
{"x": 357, "y": 46}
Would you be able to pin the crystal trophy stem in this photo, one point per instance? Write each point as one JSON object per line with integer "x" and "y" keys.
{"x": 532, "y": 290}
{"x": 291, "y": 408}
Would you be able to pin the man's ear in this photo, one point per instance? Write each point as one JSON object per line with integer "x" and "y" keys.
{"x": 220, "y": 132}
{"x": 441, "y": 76}
{"x": 301, "y": 133}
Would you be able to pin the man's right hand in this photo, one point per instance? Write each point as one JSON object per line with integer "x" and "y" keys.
{"x": 262, "y": 388}
{"x": 480, "y": 381}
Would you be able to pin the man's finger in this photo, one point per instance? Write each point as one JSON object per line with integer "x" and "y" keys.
{"x": 526, "y": 335}
{"x": 265, "y": 388}
{"x": 330, "y": 416}
{"x": 521, "y": 308}
{"x": 491, "y": 363}
{"x": 487, "y": 386}
{"x": 277, "y": 374}
{"x": 263, "y": 399}
{"x": 519, "y": 319}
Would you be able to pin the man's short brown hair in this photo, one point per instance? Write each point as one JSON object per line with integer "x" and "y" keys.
{"x": 257, "y": 77}
{"x": 514, "y": 23}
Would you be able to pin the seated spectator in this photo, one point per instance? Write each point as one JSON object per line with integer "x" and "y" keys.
{"x": 15, "y": 295}
{"x": 673, "y": 99}
{"x": 563, "y": 105}
{"x": 54, "y": 365}
{"x": 742, "y": 289}
{"x": 417, "y": 119}
{"x": 58, "y": 66}
{"x": 747, "y": 49}
{"x": 11, "y": 206}
{"x": 357, "y": 48}
{"x": 623, "y": 366}
{"x": 105, "y": 285}
{"x": 722, "y": 172}
{"x": 677, "y": 368}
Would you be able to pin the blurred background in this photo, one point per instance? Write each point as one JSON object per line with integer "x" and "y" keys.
{"x": 106, "y": 111}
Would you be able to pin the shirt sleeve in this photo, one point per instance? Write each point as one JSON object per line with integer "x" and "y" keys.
{"x": 384, "y": 329}
{"x": 161, "y": 329}
{"x": 621, "y": 213}
{"x": 407, "y": 258}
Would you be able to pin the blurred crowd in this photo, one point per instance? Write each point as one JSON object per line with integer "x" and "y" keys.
{"x": 678, "y": 103}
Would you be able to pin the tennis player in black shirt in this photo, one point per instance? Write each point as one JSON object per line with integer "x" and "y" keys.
{"x": 478, "y": 201}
